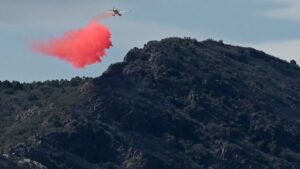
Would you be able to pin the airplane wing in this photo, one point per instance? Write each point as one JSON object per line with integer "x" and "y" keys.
{"x": 124, "y": 12}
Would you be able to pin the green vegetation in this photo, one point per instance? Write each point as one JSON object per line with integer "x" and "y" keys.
{"x": 26, "y": 109}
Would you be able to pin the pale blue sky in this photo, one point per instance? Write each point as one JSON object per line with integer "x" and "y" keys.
{"x": 269, "y": 25}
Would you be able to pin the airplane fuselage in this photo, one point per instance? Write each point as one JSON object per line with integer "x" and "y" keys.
{"x": 116, "y": 12}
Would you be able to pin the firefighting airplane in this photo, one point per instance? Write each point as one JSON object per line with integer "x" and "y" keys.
{"x": 115, "y": 12}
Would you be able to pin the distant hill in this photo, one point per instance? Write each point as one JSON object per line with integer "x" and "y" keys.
{"x": 174, "y": 104}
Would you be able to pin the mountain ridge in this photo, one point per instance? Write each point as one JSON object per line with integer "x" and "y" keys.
{"x": 175, "y": 103}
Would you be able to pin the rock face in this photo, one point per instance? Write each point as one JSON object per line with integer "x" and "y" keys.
{"x": 174, "y": 104}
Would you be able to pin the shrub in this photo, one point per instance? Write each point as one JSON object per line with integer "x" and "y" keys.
{"x": 32, "y": 97}
{"x": 10, "y": 91}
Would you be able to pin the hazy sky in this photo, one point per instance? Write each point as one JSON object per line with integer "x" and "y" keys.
{"x": 269, "y": 25}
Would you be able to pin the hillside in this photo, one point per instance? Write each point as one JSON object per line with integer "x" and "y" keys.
{"x": 174, "y": 104}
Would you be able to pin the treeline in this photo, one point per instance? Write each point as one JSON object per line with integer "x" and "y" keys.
{"x": 76, "y": 81}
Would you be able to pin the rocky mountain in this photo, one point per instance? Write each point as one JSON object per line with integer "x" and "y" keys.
{"x": 174, "y": 104}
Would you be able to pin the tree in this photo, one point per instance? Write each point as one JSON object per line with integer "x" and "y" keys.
{"x": 17, "y": 85}
{"x": 6, "y": 84}
{"x": 293, "y": 62}
{"x": 75, "y": 81}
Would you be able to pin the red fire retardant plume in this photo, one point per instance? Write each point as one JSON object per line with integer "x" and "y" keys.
{"x": 79, "y": 47}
